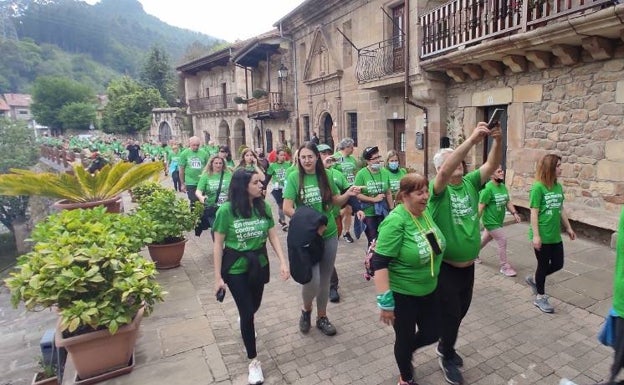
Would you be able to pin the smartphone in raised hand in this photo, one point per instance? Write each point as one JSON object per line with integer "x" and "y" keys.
{"x": 495, "y": 118}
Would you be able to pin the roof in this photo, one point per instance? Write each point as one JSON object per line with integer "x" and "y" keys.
{"x": 4, "y": 106}
{"x": 239, "y": 49}
{"x": 18, "y": 100}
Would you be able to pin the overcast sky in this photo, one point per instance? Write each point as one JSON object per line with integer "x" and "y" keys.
{"x": 225, "y": 19}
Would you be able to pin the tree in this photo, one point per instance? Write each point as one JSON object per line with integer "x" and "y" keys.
{"x": 158, "y": 73}
{"x": 77, "y": 115}
{"x": 17, "y": 150}
{"x": 129, "y": 108}
{"x": 51, "y": 94}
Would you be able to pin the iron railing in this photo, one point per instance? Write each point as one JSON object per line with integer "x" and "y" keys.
{"x": 380, "y": 59}
{"x": 460, "y": 23}
{"x": 213, "y": 103}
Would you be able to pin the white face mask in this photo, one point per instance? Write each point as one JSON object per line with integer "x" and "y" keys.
{"x": 393, "y": 165}
{"x": 376, "y": 166}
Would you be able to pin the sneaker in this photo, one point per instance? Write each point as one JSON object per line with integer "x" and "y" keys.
{"x": 255, "y": 373}
{"x": 507, "y": 270}
{"x": 456, "y": 358}
{"x": 347, "y": 237}
{"x": 478, "y": 261}
{"x": 531, "y": 282}
{"x": 333, "y": 295}
{"x": 542, "y": 303}
{"x": 410, "y": 382}
{"x": 452, "y": 375}
{"x": 325, "y": 326}
{"x": 304, "y": 321}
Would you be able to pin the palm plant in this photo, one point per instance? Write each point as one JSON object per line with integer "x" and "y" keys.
{"x": 82, "y": 186}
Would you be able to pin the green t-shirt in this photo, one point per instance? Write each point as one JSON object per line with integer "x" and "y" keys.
{"x": 347, "y": 165}
{"x": 278, "y": 174}
{"x": 618, "y": 278}
{"x": 374, "y": 184}
{"x": 312, "y": 197}
{"x": 341, "y": 183}
{"x": 495, "y": 199}
{"x": 402, "y": 238}
{"x": 209, "y": 184}
{"x": 395, "y": 179}
{"x": 243, "y": 234}
{"x": 549, "y": 203}
{"x": 455, "y": 211}
{"x": 193, "y": 163}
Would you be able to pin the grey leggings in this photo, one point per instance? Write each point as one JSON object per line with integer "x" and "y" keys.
{"x": 321, "y": 273}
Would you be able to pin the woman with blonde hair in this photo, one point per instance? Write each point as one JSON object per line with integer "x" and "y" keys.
{"x": 395, "y": 171}
{"x": 547, "y": 213}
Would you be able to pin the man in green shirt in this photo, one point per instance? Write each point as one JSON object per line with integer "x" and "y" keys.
{"x": 453, "y": 205}
{"x": 192, "y": 162}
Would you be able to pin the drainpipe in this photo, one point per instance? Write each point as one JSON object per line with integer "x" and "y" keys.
{"x": 294, "y": 71}
{"x": 407, "y": 96}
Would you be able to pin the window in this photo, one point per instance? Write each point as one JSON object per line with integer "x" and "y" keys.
{"x": 352, "y": 127}
{"x": 224, "y": 93}
{"x": 347, "y": 49}
{"x": 306, "y": 128}
{"x": 207, "y": 94}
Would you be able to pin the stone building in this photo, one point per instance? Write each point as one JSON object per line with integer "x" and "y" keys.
{"x": 414, "y": 76}
{"x": 239, "y": 95}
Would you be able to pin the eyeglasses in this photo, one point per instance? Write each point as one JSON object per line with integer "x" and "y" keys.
{"x": 376, "y": 157}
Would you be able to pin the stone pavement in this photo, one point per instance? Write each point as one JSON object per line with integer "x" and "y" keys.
{"x": 504, "y": 339}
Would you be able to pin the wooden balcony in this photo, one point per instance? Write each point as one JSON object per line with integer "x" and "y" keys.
{"x": 271, "y": 106}
{"x": 213, "y": 103}
{"x": 470, "y": 37}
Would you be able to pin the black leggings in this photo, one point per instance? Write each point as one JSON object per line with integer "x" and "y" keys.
{"x": 455, "y": 286}
{"x": 411, "y": 312}
{"x": 248, "y": 301}
{"x": 177, "y": 185}
{"x": 549, "y": 260}
{"x": 372, "y": 224}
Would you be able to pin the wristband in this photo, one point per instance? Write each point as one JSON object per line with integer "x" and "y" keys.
{"x": 385, "y": 301}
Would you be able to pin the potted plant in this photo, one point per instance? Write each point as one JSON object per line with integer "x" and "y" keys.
{"x": 259, "y": 93}
{"x": 240, "y": 100}
{"x": 145, "y": 189}
{"x": 46, "y": 373}
{"x": 80, "y": 189}
{"x": 85, "y": 264}
{"x": 171, "y": 218}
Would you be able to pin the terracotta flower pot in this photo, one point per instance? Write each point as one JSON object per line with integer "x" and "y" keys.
{"x": 46, "y": 381}
{"x": 167, "y": 256}
{"x": 99, "y": 352}
{"x": 113, "y": 205}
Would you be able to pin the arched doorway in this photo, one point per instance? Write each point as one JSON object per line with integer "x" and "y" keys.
{"x": 327, "y": 124}
{"x": 164, "y": 133}
{"x": 238, "y": 139}
{"x": 269, "y": 141}
{"x": 223, "y": 135}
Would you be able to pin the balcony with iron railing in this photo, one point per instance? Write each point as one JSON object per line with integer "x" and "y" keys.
{"x": 213, "y": 103}
{"x": 463, "y": 32}
{"x": 380, "y": 60}
{"x": 269, "y": 106}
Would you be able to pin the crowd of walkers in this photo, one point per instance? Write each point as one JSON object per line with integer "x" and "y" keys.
{"x": 425, "y": 235}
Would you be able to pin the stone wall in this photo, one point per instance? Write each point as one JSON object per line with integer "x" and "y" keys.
{"x": 574, "y": 111}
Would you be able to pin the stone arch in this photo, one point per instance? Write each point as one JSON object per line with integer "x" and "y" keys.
{"x": 239, "y": 137}
{"x": 223, "y": 134}
{"x": 164, "y": 132}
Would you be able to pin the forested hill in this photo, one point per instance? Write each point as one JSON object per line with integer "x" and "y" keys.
{"x": 89, "y": 43}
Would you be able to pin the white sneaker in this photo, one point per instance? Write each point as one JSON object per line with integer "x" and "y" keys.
{"x": 255, "y": 373}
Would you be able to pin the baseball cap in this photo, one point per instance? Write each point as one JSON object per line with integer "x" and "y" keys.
{"x": 323, "y": 147}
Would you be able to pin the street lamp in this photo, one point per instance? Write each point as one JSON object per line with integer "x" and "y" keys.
{"x": 282, "y": 72}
